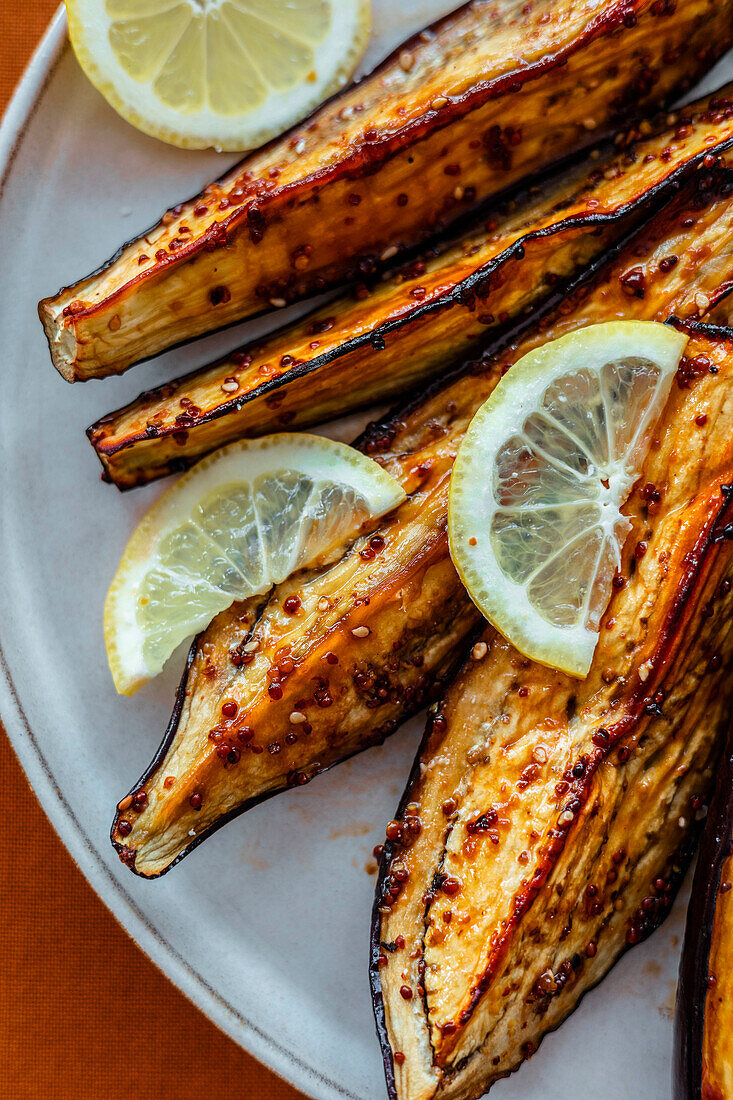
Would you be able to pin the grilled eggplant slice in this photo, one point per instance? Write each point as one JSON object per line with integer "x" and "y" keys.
{"x": 485, "y": 98}
{"x": 375, "y": 632}
{"x": 704, "y": 1018}
{"x": 547, "y": 822}
{"x": 423, "y": 319}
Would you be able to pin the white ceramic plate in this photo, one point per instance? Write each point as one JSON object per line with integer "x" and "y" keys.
{"x": 265, "y": 927}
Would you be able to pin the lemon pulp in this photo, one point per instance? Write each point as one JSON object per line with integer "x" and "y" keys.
{"x": 244, "y": 519}
{"x": 535, "y": 520}
{"x": 227, "y": 73}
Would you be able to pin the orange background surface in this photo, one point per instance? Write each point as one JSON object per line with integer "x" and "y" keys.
{"x": 83, "y": 1014}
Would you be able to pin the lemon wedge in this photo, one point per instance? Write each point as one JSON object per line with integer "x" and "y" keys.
{"x": 243, "y": 519}
{"x": 535, "y": 521}
{"x": 224, "y": 73}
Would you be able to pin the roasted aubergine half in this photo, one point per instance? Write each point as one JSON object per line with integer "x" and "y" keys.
{"x": 487, "y": 97}
{"x": 430, "y": 315}
{"x": 548, "y": 820}
{"x": 704, "y": 1020}
{"x": 367, "y": 641}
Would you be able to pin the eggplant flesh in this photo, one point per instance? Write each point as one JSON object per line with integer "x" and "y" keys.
{"x": 352, "y": 690}
{"x": 703, "y": 1068}
{"x": 397, "y": 581}
{"x": 491, "y": 95}
{"x": 548, "y": 821}
{"x": 428, "y": 316}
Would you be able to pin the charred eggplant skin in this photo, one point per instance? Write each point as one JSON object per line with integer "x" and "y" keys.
{"x": 472, "y": 129}
{"x": 703, "y": 1059}
{"x": 662, "y": 718}
{"x": 428, "y": 317}
{"x": 402, "y": 586}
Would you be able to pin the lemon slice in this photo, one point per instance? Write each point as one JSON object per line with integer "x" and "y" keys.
{"x": 535, "y": 521}
{"x": 245, "y": 518}
{"x": 224, "y": 73}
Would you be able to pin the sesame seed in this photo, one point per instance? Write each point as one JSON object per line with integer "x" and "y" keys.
{"x": 278, "y": 303}
{"x": 479, "y": 651}
{"x": 297, "y": 717}
{"x": 565, "y": 818}
{"x": 230, "y": 387}
{"x": 702, "y": 302}
{"x": 361, "y": 631}
{"x": 300, "y": 147}
{"x": 539, "y": 755}
{"x": 589, "y": 123}
{"x": 346, "y": 113}
{"x": 406, "y": 60}
{"x": 324, "y": 604}
{"x": 458, "y": 193}
{"x": 250, "y": 647}
{"x": 438, "y": 102}
{"x": 389, "y": 252}
{"x": 682, "y": 823}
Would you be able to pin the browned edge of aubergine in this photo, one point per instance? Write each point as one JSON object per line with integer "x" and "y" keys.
{"x": 402, "y": 341}
{"x": 126, "y": 317}
{"x": 718, "y": 530}
{"x": 703, "y": 1067}
{"x": 156, "y": 828}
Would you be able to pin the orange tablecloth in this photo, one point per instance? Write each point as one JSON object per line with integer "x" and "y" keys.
{"x": 83, "y": 1014}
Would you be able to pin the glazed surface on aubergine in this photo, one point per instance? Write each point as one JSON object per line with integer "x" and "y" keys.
{"x": 703, "y": 1067}
{"x": 330, "y": 663}
{"x": 548, "y": 821}
{"x": 426, "y": 317}
{"x": 385, "y": 165}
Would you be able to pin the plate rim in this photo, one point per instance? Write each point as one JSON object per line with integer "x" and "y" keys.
{"x": 246, "y": 1034}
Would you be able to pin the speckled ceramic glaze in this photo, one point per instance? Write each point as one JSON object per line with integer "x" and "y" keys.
{"x": 266, "y": 927}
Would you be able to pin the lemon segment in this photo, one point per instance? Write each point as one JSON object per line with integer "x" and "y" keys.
{"x": 243, "y": 519}
{"x": 535, "y": 522}
{"x": 228, "y": 74}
